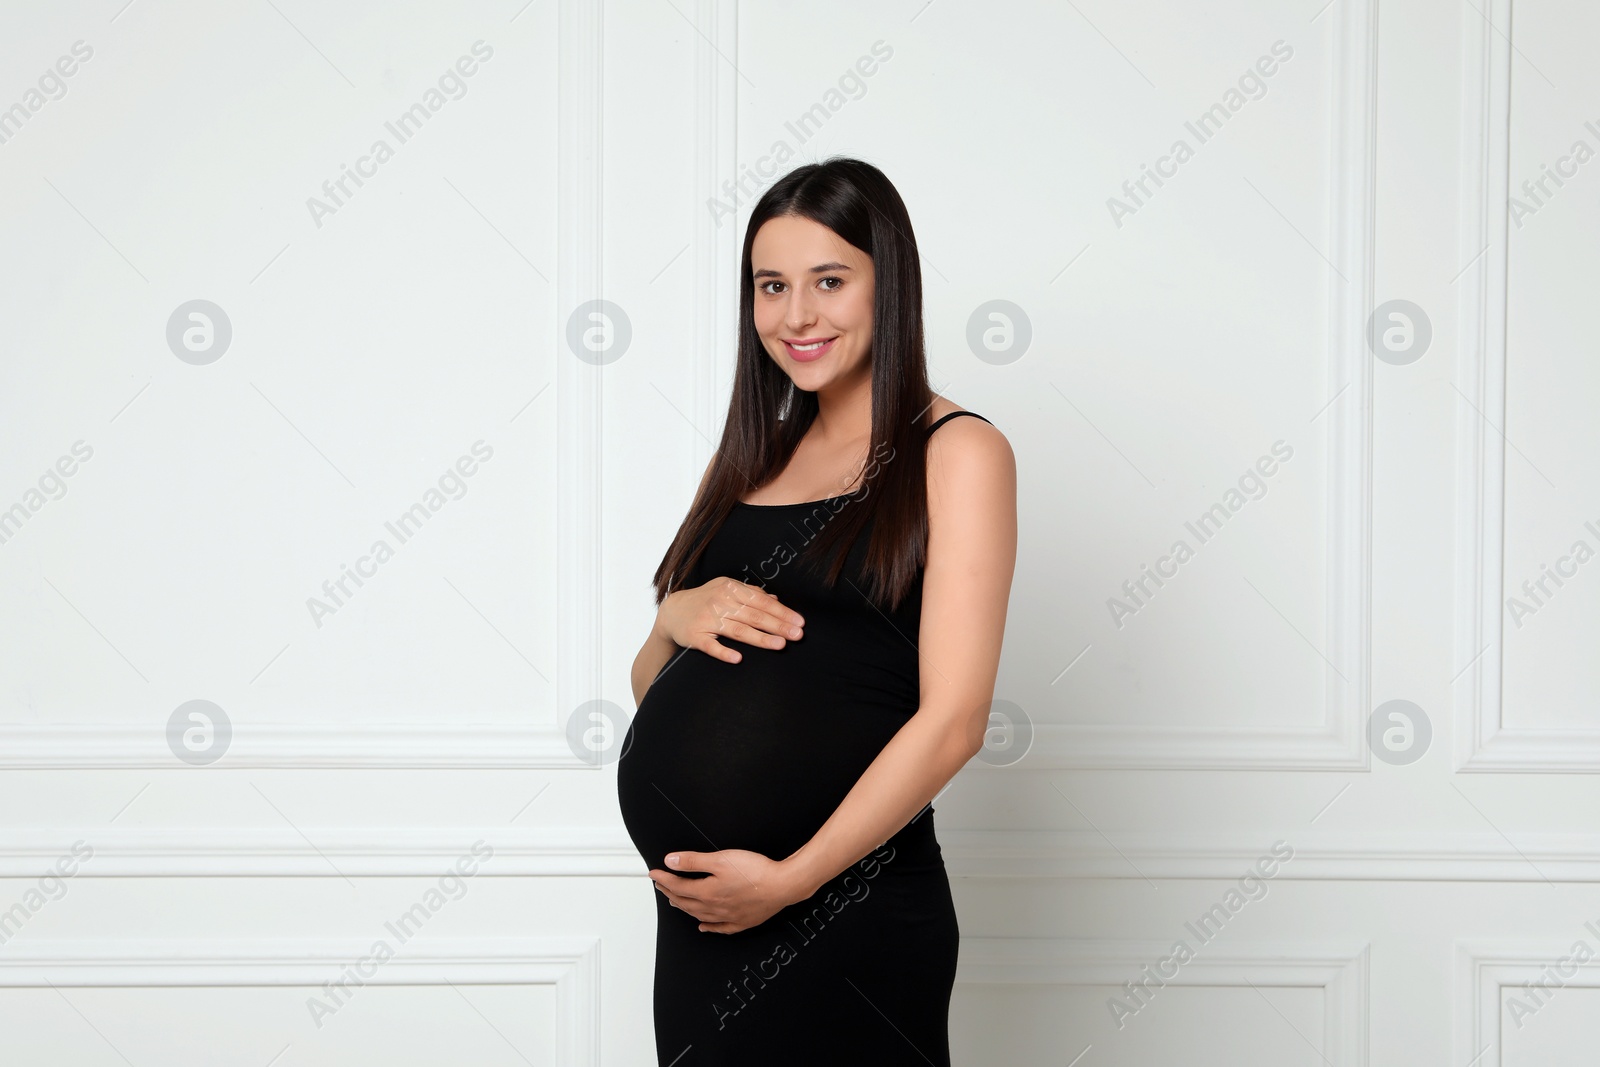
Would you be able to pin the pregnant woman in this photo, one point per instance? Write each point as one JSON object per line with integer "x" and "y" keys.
{"x": 828, "y": 630}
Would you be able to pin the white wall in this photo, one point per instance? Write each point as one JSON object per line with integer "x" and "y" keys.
{"x": 1172, "y": 344}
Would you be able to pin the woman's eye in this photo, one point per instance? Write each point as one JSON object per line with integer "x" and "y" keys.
{"x": 766, "y": 287}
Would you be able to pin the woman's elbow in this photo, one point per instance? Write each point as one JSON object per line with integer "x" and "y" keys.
{"x": 960, "y": 733}
{"x": 965, "y": 735}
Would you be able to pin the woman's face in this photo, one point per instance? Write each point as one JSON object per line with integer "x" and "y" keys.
{"x": 812, "y": 286}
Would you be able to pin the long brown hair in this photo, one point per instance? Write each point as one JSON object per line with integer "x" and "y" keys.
{"x": 768, "y": 417}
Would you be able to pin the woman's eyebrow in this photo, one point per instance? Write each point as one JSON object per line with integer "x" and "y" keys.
{"x": 819, "y": 269}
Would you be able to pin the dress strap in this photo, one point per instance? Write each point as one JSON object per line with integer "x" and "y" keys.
{"x": 946, "y": 418}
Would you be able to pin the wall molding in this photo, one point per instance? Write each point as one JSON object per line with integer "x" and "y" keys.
{"x": 717, "y": 245}
{"x": 1482, "y": 741}
{"x": 323, "y": 852}
{"x": 570, "y": 964}
{"x": 1340, "y": 971}
{"x": 1338, "y": 742}
{"x": 1484, "y": 968}
{"x": 1412, "y": 856}
{"x": 1480, "y": 374}
{"x": 580, "y": 407}
{"x": 601, "y": 852}
{"x": 293, "y": 745}
{"x": 579, "y": 447}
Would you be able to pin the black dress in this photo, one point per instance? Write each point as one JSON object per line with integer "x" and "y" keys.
{"x": 757, "y": 755}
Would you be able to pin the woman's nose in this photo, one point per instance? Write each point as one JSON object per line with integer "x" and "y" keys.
{"x": 799, "y": 313}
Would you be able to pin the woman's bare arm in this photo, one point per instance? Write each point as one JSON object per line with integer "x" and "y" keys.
{"x": 972, "y": 549}
{"x": 658, "y": 647}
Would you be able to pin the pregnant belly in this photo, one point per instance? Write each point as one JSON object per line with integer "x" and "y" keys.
{"x": 752, "y": 755}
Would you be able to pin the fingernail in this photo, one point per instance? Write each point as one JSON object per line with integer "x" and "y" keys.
{"x": 672, "y": 860}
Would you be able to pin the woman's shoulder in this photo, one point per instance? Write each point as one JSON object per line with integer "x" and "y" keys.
{"x": 969, "y": 433}
{"x": 966, "y": 453}
{"x": 937, "y": 410}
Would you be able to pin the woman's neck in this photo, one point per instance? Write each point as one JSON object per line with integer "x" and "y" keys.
{"x": 844, "y": 412}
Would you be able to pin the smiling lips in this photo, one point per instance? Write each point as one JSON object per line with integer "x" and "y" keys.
{"x": 805, "y": 350}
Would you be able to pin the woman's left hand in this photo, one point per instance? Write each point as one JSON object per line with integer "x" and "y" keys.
{"x": 741, "y": 890}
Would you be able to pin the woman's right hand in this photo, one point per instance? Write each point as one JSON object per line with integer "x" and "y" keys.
{"x": 726, "y": 607}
